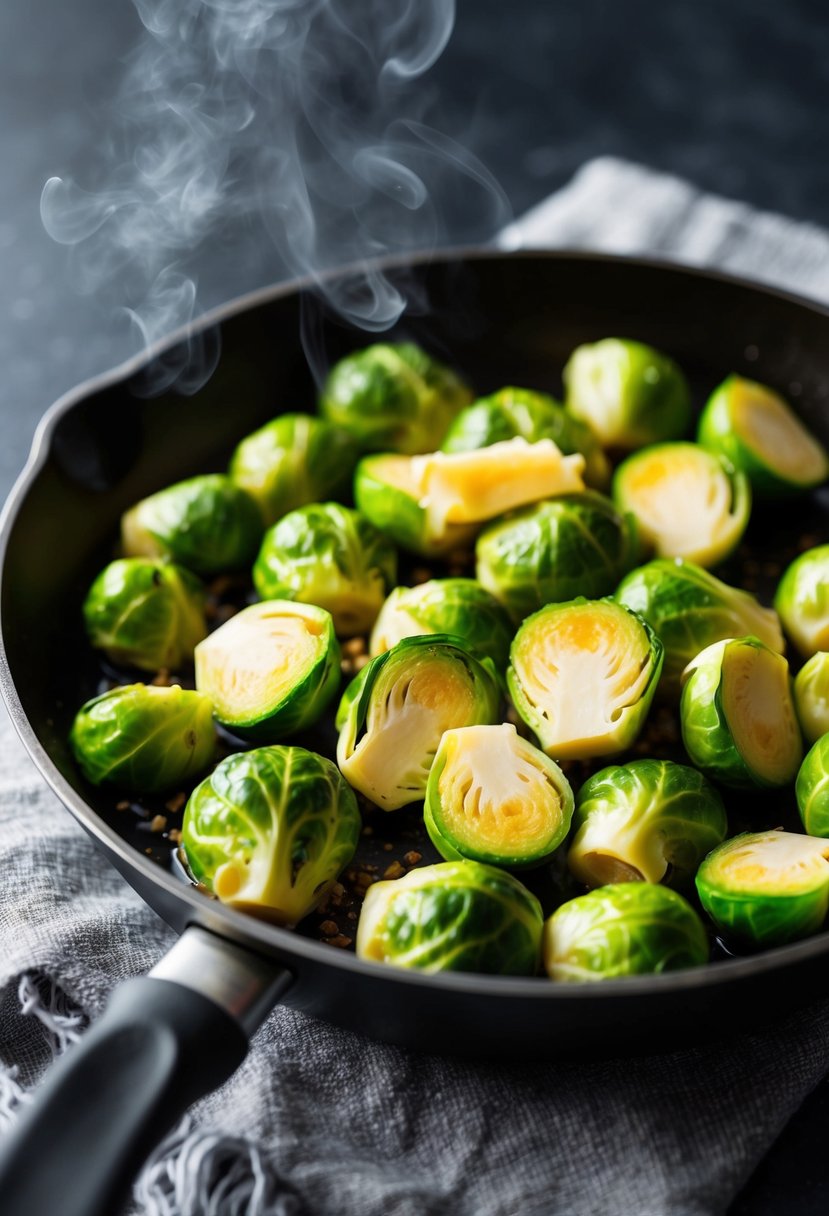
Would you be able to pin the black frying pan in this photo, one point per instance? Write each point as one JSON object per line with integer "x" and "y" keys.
{"x": 169, "y": 1038}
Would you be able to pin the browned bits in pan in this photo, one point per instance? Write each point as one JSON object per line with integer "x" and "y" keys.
{"x": 329, "y": 928}
{"x": 354, "y": 647}
{"x": 395, "y": 870}
{"x": 412, "y": 858}
{"x": 123, "y": 805}
{"x": 174, "y": 835}
{"x": 420, "y": 574}
{"x": 341, "y": 941}
{"x": 162, "y": 678}
{"x": 158, "y": 823}
{"x": 176, "y": 803}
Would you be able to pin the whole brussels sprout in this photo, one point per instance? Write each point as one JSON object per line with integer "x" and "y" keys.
{"x": 811, "y": 696}
{"x": 521, "y": 413}
{"x": 757, "y": 431}
{"x": 328, "y": 555}
{"x": 142, "y": 738}
{"x": 812, "y": 788}
{"x": 458, "y": 606}
{"x": 455, "y": 916}
{"x": 629, "y": 393}
{"x": 766, "y": 888}
{"x": 649, "y": 820}
{"x": 549, "y": 552}
{"x": 269, "y": 831}
{"x": 393, "y": 398}
{"x": 208, "y": 524}
{"x": 147, "y": 613}
{"x": 393, "y": 714}
{"x": 293, "y": 460}
{"x": 270, "y": 670}
{"x": 493, "y": 797}
{"x": 802, "y": 601}
{"x": 690, "y": 609}
{"x": 738, "y": 718}
{"x": 626, "y": 928}
{"x": 582, "y": 676}
{"x": 688, "y": 502}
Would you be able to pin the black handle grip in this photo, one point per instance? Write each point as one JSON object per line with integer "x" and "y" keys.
{"x": 112, "y": 1097}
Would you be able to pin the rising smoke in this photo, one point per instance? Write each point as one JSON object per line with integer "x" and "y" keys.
{"x": 302, "y": 122}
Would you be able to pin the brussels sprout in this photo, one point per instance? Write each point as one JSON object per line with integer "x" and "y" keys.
{"x": 493, "y": 797}
{"x": 293, "y": 460}
{"x": 802, "y": 601}
{"x": 812, "y": 788}
{"x": 766, "y": 888}
{"x": 690, "y": 609}
{"x": 629, "y": 393}
{"x": 146, "y": 613}
{"x": 582, "y": 675}
{"x": 393, "y": 397}
{"x": 387, "y": 494}
{"x": 649, "y": 820}
{"x": 521, "y": 413}
{"x": 578, "y": 544}
{"x": 269, "y": 831}
{"x": 458, "y": 606}
{"x": 207, "y": 524}
{"x": 142, "y": 738}
{"x": 331, "y": 556}
{"x": 394, "y": 712}
{"x": 455, "y": 916}
{"x": 688, "y": 502}
{"x": 271, "y": 669}
{"x": 811, "y": 696}
{"x": 627, "y": 928}
{"x": 758, "y": 432}
{"x": 738, "y": 718}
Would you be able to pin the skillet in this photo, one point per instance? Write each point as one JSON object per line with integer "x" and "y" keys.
{"x": 168, "y": 1038}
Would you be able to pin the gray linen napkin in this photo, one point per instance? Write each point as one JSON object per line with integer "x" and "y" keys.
{"x": 323, "y": 1122}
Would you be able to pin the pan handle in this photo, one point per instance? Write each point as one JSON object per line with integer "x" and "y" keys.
{"x": 163, "y": 1041}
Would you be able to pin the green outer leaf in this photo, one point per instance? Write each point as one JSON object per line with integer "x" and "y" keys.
{"x": 631, "y": 928}
{"x": 400, "y": 516}
{"x": 811, "y": 696}
{"x": 208, "y": 524}
{"x": 812, "y": 789}
{"x": 293, "y": 460}
{"x": 454, "y": 916}
{"x": 689, "y": 609}
{"x": 655, "y": 816}
{"x": 578, "y": 544}
{"x": 328, "y": 555}
{"x": 452, "y": 848}
{"x": 802, "y": 600}
{"x": 283, "y": 818}
{"x": 393, "y": 397}
{"x": 146, "y": 613}
{"x": 142, "y": 738}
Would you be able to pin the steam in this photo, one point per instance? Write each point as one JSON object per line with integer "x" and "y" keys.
{"x": 299, "y": 122}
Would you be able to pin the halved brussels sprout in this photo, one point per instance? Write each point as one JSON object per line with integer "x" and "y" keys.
{"x": 269, "y": 831}
{"x": 331, "y": 556}
{"x": 578, "y": 544}
{"x": 393, "y": 397}
{"x": 208, "y": 524}
{"x": 690, "y": 609}
{"x": 271, "y": 669}
{"x": 812, "y": 788}
{"x": 629, "y": 393}
{"x": 522, "y": 413}
{"x": 393, "y": 714}
{"x": 688, "y": 502}
{"x": 142, "y": 738}
{"x": 650, "y": 820}
{"x": 802, "y": 601}
{"x": 811, "y": 696}
{"x": 146, "y": 613}
{"x": 582, "y": 676}
{"x": 387, "y": 494}
{"x": 627, "y": 928}
{"x": 458, "y": 606}
{"x": 759, "y": 433}
{"x": 293, "y": 460}
{"x": 766, "y": 888}
{"x": 455, "y": 916}
{"x": 738, "y": 718}
{"x": 495, "y": 798}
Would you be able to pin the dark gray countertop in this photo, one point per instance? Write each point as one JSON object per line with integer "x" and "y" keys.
{"x": 729, "y": 93}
